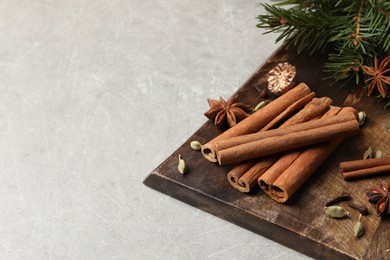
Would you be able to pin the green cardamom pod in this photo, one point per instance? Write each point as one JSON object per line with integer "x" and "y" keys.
{"x": 195, "y": 145}
{"x": 362, "y": 117}
{"x": 260, "y": 106}
{"x": 182, "y": 166}
{"x": 358, "y": 228}
{"x": 367, "y": 154}
{"x": 378, "y": 154}
{"x": 336, "y": 212}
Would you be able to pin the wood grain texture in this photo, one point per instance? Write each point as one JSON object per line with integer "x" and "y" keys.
{"x": 300, "y": 223}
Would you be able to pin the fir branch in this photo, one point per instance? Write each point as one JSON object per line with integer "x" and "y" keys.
{"x": 344, "y": 65}
{"x": 356, "y": 31}
{"x": 381, "y": 11}
{"x": 352, "y": 32}
{"x": 358, "y": 18}
{"x": 305, "y": 29}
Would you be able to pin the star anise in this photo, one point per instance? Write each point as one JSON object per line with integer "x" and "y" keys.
{"x": 380, "y": 196}
{"x": 222, "y": 112}
{"x": 379, "y": 78}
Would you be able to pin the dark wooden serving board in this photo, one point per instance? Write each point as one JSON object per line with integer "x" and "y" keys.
{"x": 300, "y": 223}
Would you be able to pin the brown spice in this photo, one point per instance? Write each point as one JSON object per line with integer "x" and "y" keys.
{"x": 288, "y": 111}
{"x": 277, "y": 143}
{"x": 380, "y": 76}
{"x": 259, "y": 119}
{"x": 361, "y": 208}
{"x": 281, "y": 131}
{"x": 222, "y": 112}
{"x": 342, "y": 197}
{"x": 380, "y": 196}
{"x": 295, "y": 174}
{"x": 235, "y": 174}
{"x": 245, "y": 178}
{"x": 281, "y": 78}
{"x": 364, "y": 168}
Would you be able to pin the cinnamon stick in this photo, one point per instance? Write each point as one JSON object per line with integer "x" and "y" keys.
{"x": 245, "y": 179}
{"x": 259, "y": 119}
{"x": 235, "y": 174}
{"x": 315, "y": 108}
{"x": 266, "y": 180}
{"x": 269, "y": 177}
{"x": 319, "y": 132}
{"x": 300, "y": 170}
{"x": 305, "y": 126}
{"x": 365, "y": 168}
{"x": 249, "y": 179}
{"x": 306, "y": 163}
{"x": 291, "y": 109}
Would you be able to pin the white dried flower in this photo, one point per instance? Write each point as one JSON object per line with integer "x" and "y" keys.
{"x": 281, "y": 78}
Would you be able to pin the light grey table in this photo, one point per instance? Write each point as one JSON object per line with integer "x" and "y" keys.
{"x": 96, "y": 94}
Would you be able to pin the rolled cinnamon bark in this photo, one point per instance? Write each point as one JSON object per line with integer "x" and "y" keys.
{"x": 266, "y": 180}
{"x": 302, "y": 168}
{"x": 365, "y": 168}
{"x": 234, "y": 174}
{"x": 289, "y": 140}
{"x": 315, "y": 108}
{"x": 245, "y": 179}
{"x": 269, "y": 177}
{"x": 249, "y": 179}
{"x": 363, "y": 164}
{"x": 259, "y": 119}
{"x": 313, "y": 124}
{"x": 291, "y": 109}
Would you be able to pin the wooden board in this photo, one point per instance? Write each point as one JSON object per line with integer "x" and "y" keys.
{"x": 300, "y": 223}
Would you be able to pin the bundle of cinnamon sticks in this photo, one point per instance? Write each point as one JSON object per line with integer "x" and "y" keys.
{"x": 265, "y": 118}
{"x": 281, "y": 159}
{"x": 357, "y": 169}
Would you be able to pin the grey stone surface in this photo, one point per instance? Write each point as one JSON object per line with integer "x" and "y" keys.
{"x": 94, "y": 96}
